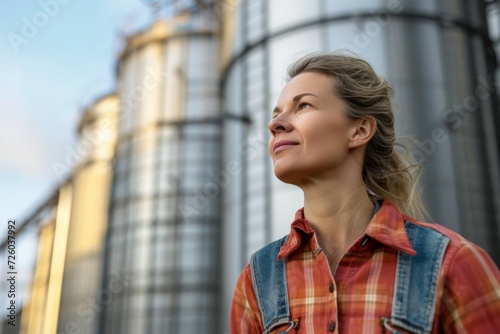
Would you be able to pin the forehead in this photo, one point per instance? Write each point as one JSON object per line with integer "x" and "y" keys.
{"x": 311, "y": 82}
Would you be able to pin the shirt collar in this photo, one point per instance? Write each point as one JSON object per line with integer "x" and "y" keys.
{"x": 386, "y": 226}
{"x": 300, "y": 232}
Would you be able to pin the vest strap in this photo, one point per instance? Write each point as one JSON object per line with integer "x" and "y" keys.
{"x": 270, "y": 286}
{"x": 417, "y": 277}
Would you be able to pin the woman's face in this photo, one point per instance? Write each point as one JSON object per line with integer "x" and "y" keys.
{"x": 310, "y": 133}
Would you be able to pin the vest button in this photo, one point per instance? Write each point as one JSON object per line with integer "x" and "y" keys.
{"x": 332, "y": 326}
{"x": 331, "y": 287}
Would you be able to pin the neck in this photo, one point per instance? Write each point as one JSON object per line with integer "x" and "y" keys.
{"x": 330, "y": 208}
{"x": 339, "y": 212}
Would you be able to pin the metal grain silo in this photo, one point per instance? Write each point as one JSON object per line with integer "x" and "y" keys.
{"x": 162, "y": 247}
{"x": 91, "y": 181}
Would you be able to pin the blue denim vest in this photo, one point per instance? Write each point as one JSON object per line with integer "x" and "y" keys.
{"x": 415, "y": 286}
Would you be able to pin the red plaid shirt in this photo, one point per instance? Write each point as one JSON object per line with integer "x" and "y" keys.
{"x": 361, "y": 292}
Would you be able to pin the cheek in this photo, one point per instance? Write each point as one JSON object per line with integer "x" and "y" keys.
{"x": 327, "y": 139}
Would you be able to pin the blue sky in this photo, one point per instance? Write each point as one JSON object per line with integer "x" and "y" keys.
{"x": 49, "y": 73}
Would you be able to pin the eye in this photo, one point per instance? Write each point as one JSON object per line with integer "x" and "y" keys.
{"x": 303, "y": 105}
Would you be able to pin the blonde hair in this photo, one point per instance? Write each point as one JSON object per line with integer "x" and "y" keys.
{"x": 389, "y": 170}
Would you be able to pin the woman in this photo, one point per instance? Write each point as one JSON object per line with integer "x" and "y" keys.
{"x": 355, "y": 260}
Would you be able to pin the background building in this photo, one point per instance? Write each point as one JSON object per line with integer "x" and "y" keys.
{"x": 81, "y": 295}
{"x": 164, "y": 231}
{"x": 70, "y": 227}
{"x": 41, "y": 305}
{"x": 154, "y": 225}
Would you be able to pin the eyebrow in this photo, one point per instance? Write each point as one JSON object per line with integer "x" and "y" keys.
{"x": 295, "y": 99}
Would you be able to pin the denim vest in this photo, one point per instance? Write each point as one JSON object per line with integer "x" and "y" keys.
{"x": 415, "y": 287}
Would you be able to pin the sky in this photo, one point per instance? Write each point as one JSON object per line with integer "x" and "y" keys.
{"x": 56, "y": 58}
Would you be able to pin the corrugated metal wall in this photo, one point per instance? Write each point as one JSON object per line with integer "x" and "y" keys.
{"x": 163, "y": 236}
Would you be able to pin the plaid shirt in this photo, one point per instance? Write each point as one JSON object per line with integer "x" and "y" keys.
{"x": 361, "y": 291}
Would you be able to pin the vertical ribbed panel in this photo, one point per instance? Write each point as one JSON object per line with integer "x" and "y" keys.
{"x": 163, "y": 238}
{"x": 81, "y": 296}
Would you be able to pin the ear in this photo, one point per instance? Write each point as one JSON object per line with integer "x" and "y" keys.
{"x": 362, "y": 131}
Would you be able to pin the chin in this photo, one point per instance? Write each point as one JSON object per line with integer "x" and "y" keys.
{"x": 289, "y": 175}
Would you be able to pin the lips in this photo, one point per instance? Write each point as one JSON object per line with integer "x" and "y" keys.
{"x": 283, "y": 145}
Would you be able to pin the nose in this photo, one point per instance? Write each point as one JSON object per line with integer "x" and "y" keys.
{"x": 278, "y": 124}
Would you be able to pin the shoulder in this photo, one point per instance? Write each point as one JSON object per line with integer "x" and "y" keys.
{"x": 456, "y": 241}
{"x": 265, "y": 266}
{"x": 269, "y": 251}
{"x": 261, "y": 258}
{"x": 470, "y": 281}
{"x": 461, "y": 254}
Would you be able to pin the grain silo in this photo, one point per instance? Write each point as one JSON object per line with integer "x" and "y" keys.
{"x": 163, "y": 238}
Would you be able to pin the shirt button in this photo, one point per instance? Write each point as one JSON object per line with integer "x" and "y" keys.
{"x": 332, "y": 326}
{"x": 331, "y": 287}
